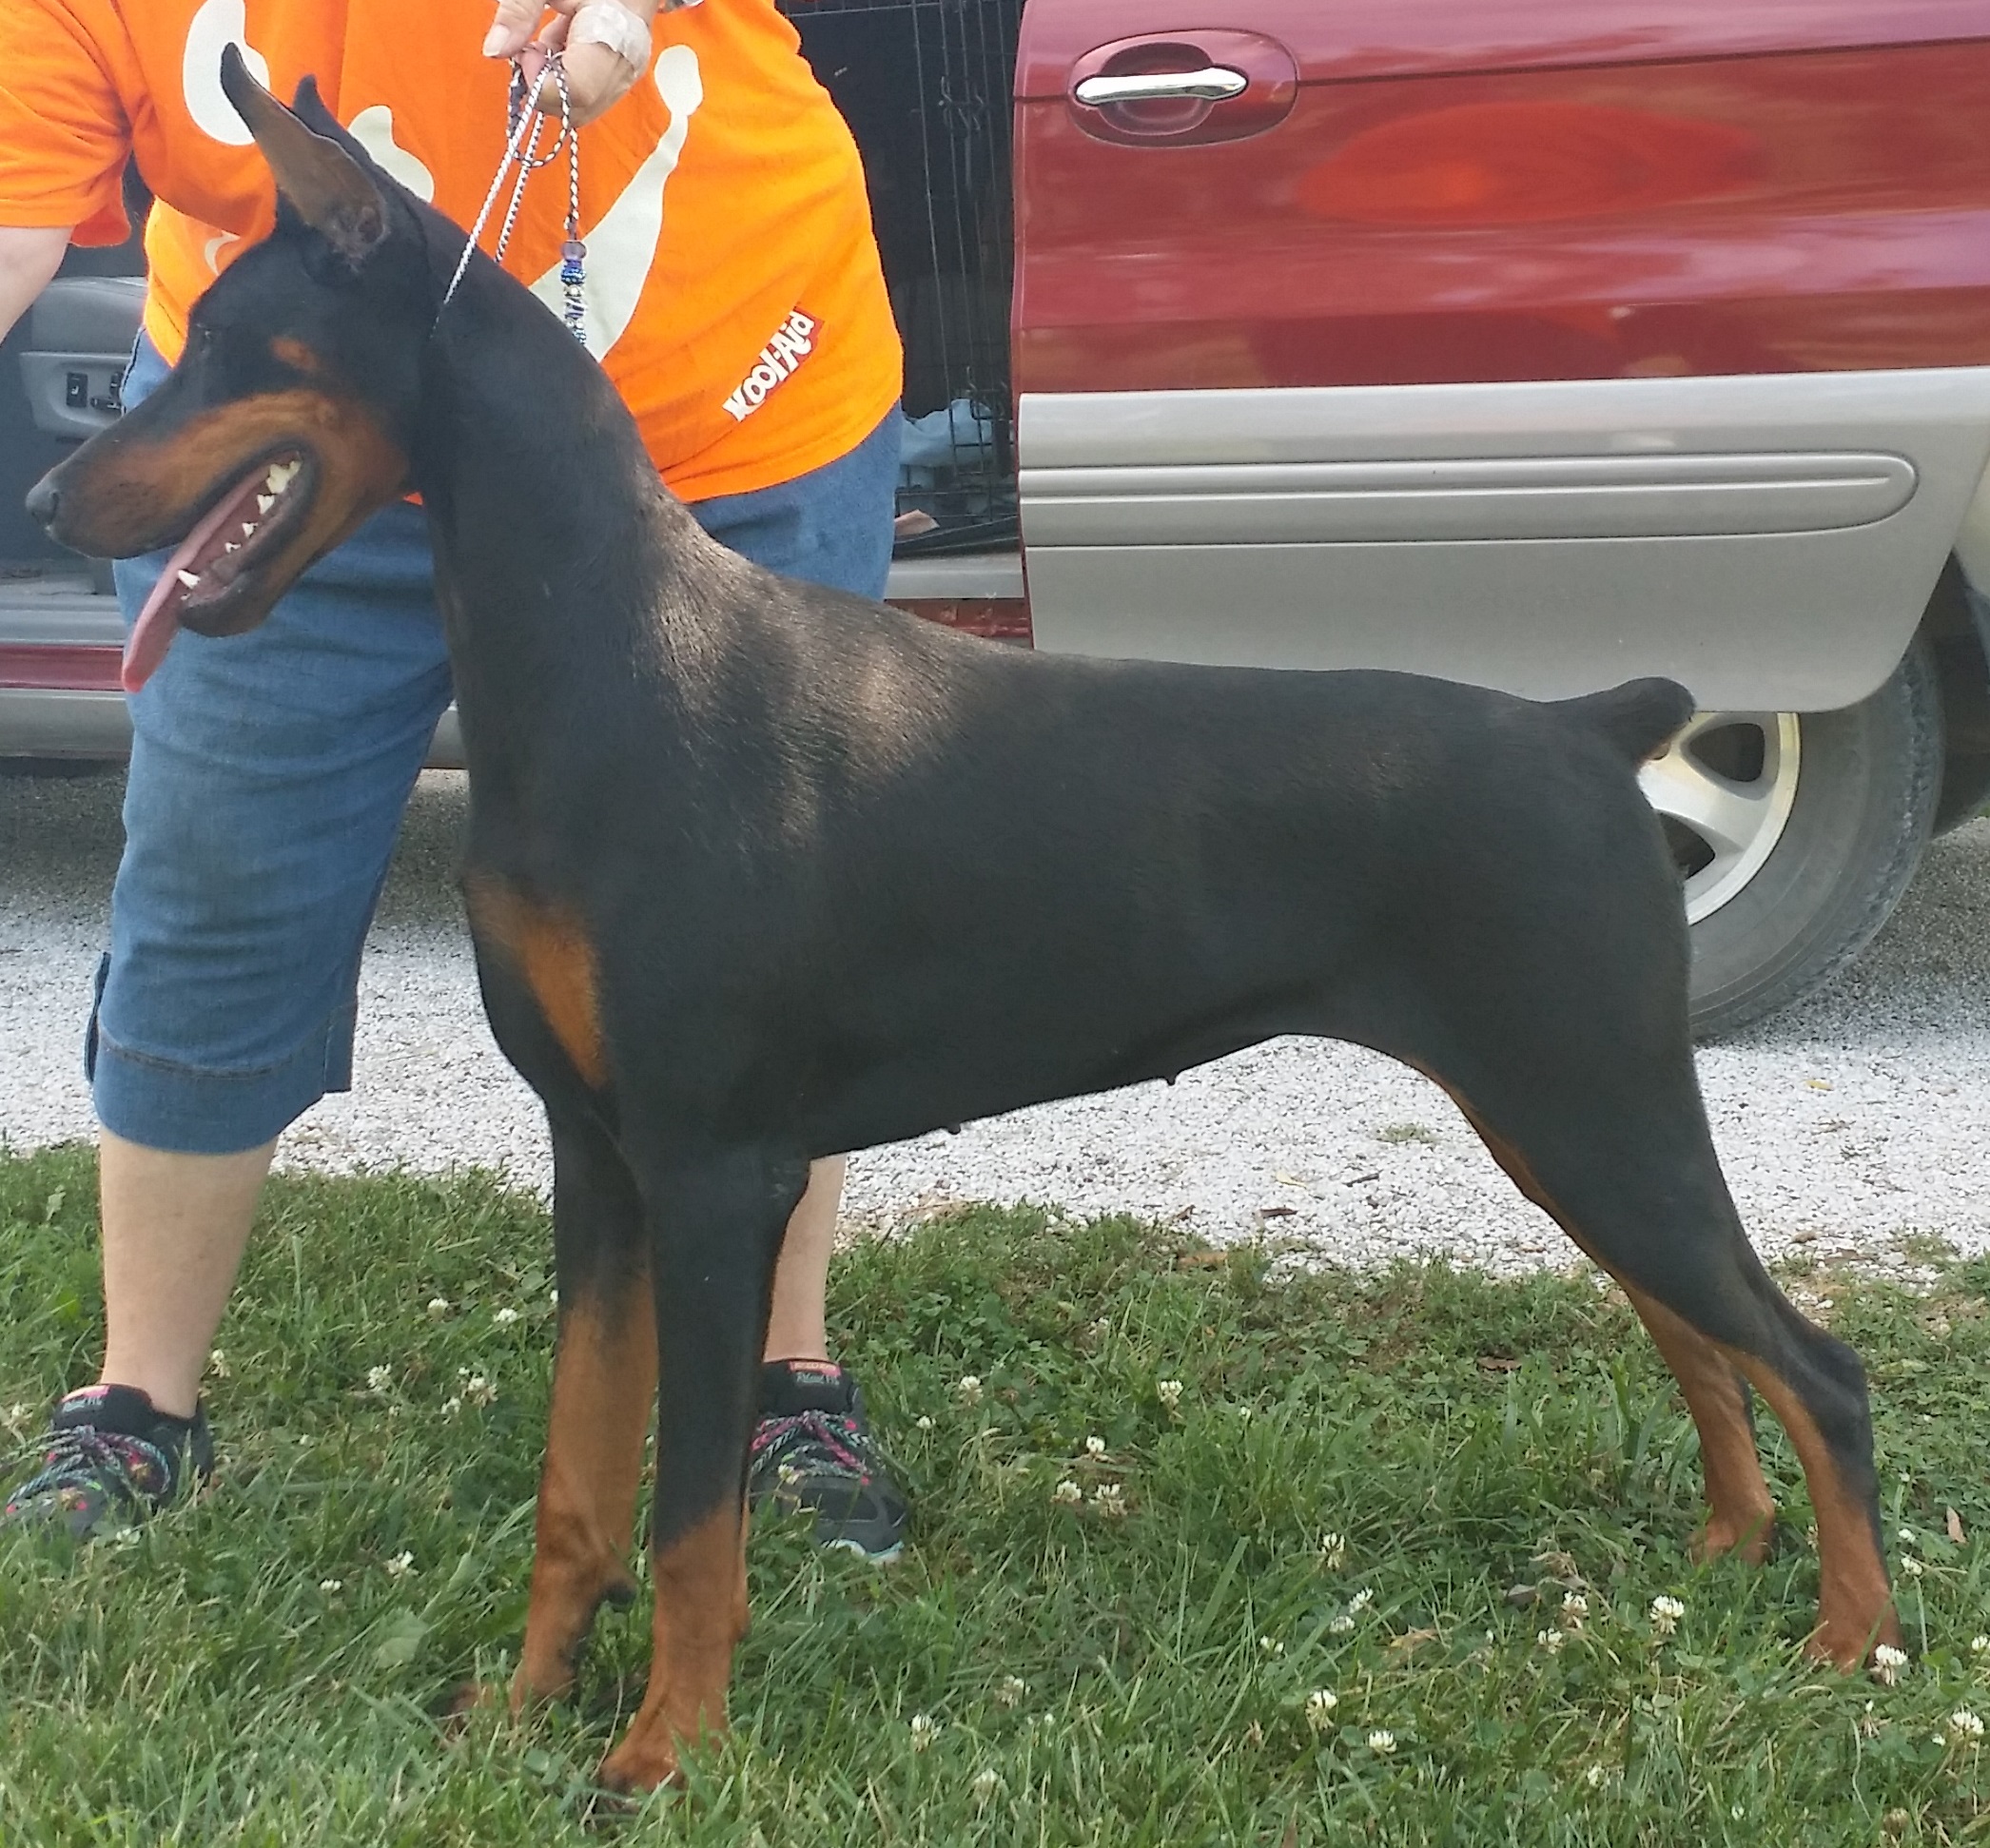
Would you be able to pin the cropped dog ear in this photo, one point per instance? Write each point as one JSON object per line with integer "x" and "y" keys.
{"x": 322, "y": 182}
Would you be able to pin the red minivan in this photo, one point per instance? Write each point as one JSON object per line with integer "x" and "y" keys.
{"x": 1529, "y": 342}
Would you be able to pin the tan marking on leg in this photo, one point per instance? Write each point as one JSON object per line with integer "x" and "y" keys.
{"x": 1855, "y": 1600}
{"x": 1742, "y": 1513}
{"x": 604, "y": 1383}
{"x": 551, "y": 950}
{"x": 700, "y": 1616}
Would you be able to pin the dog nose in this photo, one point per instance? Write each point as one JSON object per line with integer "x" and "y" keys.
{"x": 44, "y": 499}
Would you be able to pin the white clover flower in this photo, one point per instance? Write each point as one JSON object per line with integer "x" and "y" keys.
{"x": 451, "y": 1406}
{"x": 1333, "y": 1551}
{"x": 1067, "y": 1493}
{"x": 329, "y": 1586}
{"x": 1979, "y": 1645}
{"x": 1381, "y": 1741}
{"x": 1551, "y": 1640}
{"x": 1911, "y": 1566}
{"x": 1109, "y": 1498}
{"x": 987, "y": 1782}
{"x": 504, "y": 1317}
{"x": 1011, "y": 1691}
{"x": 438, "y": 1308}
{"x": 924, "y": 1727}
{"x": 1168, "y": 1392}
{"x": 1574, "y": 1608}
{"x": 969, "y": 1388}
{"x": 1964, "y": 1725}
{"x": 1271, "y": 1646}
{"x": 553, "y": 1299}
{"x": 378, "y": 1378}
{"x": 1360, "y": 1600}
{"x": 1907, "y": 1537}
{"x": 477, "y": 1389}
{"x": 1596, "y": 1777}
{"x": 1888, "y": 1663}
{"x": 399, "y": 1566}
{"x": 924, "y": 1422}
{"x": 1095, "y": 1446}
{"x": 1340, "y": 1626}
{"x": 1666, "y": 1613}
{"x": 1319, "y": 1708}
{"x": 218, "y": 1364}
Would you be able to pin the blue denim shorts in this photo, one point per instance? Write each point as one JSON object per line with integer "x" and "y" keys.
{"x": 268, "y": 775}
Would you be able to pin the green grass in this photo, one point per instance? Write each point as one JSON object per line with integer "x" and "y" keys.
{"x": 1096, "y": 1678}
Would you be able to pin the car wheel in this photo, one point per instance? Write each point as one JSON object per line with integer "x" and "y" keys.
{"x": 1796, "y": 834}
{"x": 1966, "y": 788}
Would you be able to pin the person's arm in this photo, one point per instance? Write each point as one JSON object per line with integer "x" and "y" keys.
{"x": 29, "y": 256}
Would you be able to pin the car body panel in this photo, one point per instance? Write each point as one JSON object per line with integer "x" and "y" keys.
{"x": 1770, "y": 540}
{"x": 1660, "y": 196}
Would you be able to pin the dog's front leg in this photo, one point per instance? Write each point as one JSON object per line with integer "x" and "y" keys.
{"x": 604, "y": 1385}
{"x": 714, "y": 1237}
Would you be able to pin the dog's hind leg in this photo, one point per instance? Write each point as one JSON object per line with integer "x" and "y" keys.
{"x": 1602, "y": 1126}
{"x": 715, "y": 1233}
{"x": 604, "y": 1386}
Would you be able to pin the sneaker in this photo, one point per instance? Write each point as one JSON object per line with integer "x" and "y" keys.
{"x": 109, "y": 1458}
{"x": 812, "y": 1450}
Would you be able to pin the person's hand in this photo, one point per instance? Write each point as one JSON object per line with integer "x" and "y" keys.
{"x": 597, "y": 74}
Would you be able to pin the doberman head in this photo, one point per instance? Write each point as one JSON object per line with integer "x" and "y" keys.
{"x": 290, "y": 416}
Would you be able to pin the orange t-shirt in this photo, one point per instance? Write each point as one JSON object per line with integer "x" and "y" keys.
{"x": 722, "y": 199}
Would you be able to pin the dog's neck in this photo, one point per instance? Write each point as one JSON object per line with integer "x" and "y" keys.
{"x": 565, "y": 569}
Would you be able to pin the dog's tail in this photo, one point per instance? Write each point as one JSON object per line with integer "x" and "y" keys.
{"x": 1637, "y": 717}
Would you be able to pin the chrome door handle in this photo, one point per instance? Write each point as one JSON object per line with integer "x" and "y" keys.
{"x": 1212, "y": 84}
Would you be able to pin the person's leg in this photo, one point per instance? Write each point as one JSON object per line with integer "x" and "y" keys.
{"x": 812, "y": 1448}
{"x": 175, "y": 1228}
{"x": 267, "y": 779}
{"x": 796, "y": 1328}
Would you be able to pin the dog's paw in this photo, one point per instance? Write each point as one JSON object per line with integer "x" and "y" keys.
{"x": 640, "y": 1763}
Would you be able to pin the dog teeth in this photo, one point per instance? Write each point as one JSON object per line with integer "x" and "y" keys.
{"x": 191, "y": 581}
{"x": 229, "y": 545}
{"x": 265, "y": 502}
{"x": 281, "y": 476}
{"x": 249, "y": 529}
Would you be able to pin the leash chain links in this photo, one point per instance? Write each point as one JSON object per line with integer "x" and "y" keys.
{"x": 523, "y": 125}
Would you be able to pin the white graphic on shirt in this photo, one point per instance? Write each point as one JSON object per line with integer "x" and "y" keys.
{"x": 621, "y": 248}
{"x": 211, "y": 249}
{"x": 219, "y": 23}
{"x": 793, "y": 340}
{"x": 373, "y": 129}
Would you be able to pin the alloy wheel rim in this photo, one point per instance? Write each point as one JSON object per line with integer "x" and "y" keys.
{"x": 1724, "y": 788}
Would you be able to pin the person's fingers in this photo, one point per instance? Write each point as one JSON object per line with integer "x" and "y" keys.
{"x": 596, "y": 77}
{"x": 512, "y": 27}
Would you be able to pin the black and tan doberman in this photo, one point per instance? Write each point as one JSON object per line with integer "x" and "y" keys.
{"x": 759, "y": 872}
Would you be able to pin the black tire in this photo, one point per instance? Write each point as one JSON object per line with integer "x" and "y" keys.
{"x": 1868, "y": 780}
{"x": 1966, "y": 788}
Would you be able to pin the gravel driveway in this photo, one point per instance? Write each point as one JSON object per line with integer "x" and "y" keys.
{"x": 1847, "y": 1126}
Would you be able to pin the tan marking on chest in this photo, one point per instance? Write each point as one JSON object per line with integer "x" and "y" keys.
{"x": 550, "y": 948}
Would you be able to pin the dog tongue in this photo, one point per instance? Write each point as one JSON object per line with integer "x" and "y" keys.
{"x": 159, "y": 620}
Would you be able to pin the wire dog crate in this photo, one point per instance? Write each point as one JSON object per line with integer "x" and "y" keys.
{"x": 924, "y": 86}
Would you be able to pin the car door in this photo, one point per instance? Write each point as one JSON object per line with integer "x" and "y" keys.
{"x": 1534, "y": 344}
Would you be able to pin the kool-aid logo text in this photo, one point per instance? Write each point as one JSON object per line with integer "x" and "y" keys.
{"x": 793, "y": 340}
